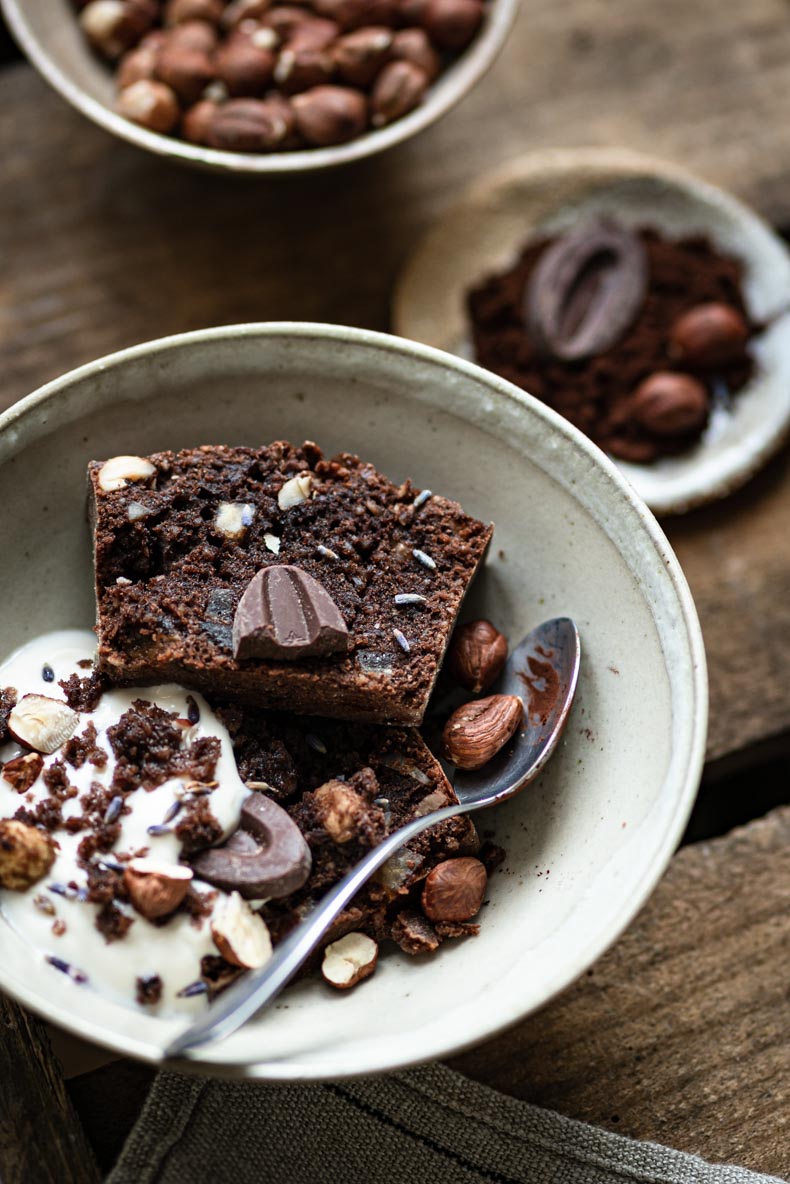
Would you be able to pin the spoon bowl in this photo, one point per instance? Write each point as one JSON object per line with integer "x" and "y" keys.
{"x": 545, "y": 665}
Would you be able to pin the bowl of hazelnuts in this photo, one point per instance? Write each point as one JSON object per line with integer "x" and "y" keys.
{"x": 261, "y": 86}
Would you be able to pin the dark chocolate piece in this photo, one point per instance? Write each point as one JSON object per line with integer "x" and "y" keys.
{"x": 586, "y": 290}
{"x": 266, "y": 858}
{"x": 285, "y": 613}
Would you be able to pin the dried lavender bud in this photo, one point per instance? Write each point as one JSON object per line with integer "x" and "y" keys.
{"x": 409, "y": 599}
{"x": 113, "y": 811}
{"x": 586, "y": 290}
{"x": 76, "y": 976}
{"x": 48, "y": 674}
{"x": 193, "y": 711}
{"x": 198, "y": 988}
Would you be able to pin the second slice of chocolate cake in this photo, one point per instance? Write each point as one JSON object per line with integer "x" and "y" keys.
{"x": 349, "y": 585}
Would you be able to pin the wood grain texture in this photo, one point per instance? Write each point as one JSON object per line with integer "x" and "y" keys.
{"x": 105, "y": 246}
{"x": 41, "y": 1138}
{"x": 679, "y": 1033}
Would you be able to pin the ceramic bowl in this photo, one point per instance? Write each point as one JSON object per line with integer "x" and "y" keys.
{"x": 586, "y": 843}
{"x": 48, "y": 32}
{"x": 546, "y": 192}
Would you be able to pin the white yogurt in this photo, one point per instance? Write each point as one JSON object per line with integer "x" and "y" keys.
{"x": 172, "y": 950}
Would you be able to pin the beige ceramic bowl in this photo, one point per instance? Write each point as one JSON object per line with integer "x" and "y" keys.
{"x": 587, "y": 843}
{"x": 49, "y": 34}
{"x": 546, "y": 192}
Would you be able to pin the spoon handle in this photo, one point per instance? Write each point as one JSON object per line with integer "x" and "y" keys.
{"x": 242, "y": 1001}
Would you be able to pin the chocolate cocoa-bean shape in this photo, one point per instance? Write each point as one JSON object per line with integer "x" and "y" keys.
{"x": 266, "y": 858}
{"x": 586, "y": 290}
{"x": 285, "y": 613}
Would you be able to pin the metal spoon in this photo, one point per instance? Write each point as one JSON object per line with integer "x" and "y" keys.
{"x": 543, "y": 670}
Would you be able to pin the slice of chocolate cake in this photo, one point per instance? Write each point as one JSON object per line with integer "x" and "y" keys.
{"x": 347, "y": 786}
{"x": 279, "y": 578}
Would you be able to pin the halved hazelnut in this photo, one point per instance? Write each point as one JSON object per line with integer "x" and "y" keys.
{"x": 23, "y": 771}
{"x": 240, "y": 935}
{"x": 349, "y": 960}
{"x": 233, "y": 519}
{"x": 118, "y": 471}
{"x": 26, "y": 854}
{"x": 156, "y": 889}
{"x": 295, "y": 491}
{"x": 41, "y": 723}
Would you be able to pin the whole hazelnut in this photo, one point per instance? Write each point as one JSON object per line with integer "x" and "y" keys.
{"x": 351, "y": 14}
{"x": 412, "y": 12}
{"x": 284, "y": 19}
{"x": 249, "y": 125}
{"x": 315, "y": 34}
{"x": 413, "y": 45}
{"x": 329, "y": 115}
{"x": 299, "y": 70}
{"x": 135, "y": 65}
{"x": 26, "y": 855}
{"x": 476, "y": 731}
{"x": 399, "y": 88}
{"x": 177, "y": 11}
{"x": 358, "y": 56}
{"x": 197, "y": 121}
{"x": 452, "y": 24}
{"x": 244, "y": 10}
{"x": 151, "y": 104}
{"x": 245, "y": 70}
{"x": 197, "y": 35}
{"x": 113, "y": 26}
{"x": 477, "y": 654}
{"x": 156, "y": 889}
{"x": 709, "y": 336}
{"x": 670, "y": 404}
{"x": 454, "y": 890}
{"x": 186, "y": 71}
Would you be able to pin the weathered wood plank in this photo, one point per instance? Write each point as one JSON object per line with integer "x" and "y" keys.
{"x": 41, "y": 1138}
{"x": 679, "y": 1033}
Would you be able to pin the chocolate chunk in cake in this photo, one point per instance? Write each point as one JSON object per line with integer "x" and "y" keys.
{"x": 351, "y": 584}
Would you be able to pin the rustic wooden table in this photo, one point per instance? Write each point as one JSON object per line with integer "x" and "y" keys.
{"x": 679, "y": 1033}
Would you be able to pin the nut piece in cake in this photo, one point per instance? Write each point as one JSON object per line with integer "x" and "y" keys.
{"x": 349, "y": 960}
{"x": 26, "y": 855}
{"x": 156, "y": 889}
{"x": 42, "y": 723}
{"x": 240, "y": 935}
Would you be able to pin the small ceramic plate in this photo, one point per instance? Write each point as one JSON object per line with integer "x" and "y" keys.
{"x": 586, "y": 843}
{"x": 545, "y": 193}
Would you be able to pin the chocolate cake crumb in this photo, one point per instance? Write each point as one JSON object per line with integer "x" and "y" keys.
{"x": 197, "y": 828}
{"x": 8, "y": 700}
{"x": 147, "y": 743}
{"x": 46, "y": 814}
{"x": 82, "y": 748}
{"x": 148, "y": 989}
{"x": 84, "y": 694}
{"x": 414, "y": 934}
{"x": 111, "y": 923}
{"x": 491, "y": 856}
{"x": 457, "y": 928}
{"x": 218, "y": 974}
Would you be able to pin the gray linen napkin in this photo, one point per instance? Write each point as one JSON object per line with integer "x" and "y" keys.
{"x": 417, "y": 1127}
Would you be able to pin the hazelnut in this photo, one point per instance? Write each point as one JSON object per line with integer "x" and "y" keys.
{"x": 341, "y": 810}
{"x": 178, "y": 11}
{"x": 413, "y": 45}
{"x": 113, "y": 26}
{"x": 249, "y": 125}
{"x": 359, "y": 56}
{"x": 245, "y": 69}
{"x": 197, "y": 121}
{"x": 299, "y": 70}
{"x": 156, "y": 889}
{"x": 26, "y": 855}
{"x": 315, "y": 34}
{"x": 198, "y": 35}
{"x": 240, "y": 935}
{"x": 23, "y": 771}
{"x": 135, "y": 66}
{"x": 118, "y": 471}
{"x": 244, "y": 10}
{"x": 349, "y": 960}
{"x": 285, "y": 19}
{"x": 329, "y": 115}
{"x": 41, "y": 723}
{"x": 452, "y": 24}
{"x": 186, "y": 71}
{"x": 709, "y": 336}
{"x": 233, "y": 519}
{"x": 670, "y": 404}
{"x": 476, "y": 732}
{"x": 152, "y": 105}
{"x": 351, "y": 14}
{"x": 476, "y": 655}
{"x": 400, "y": 87}
{"x": 454, "y": 890}
{"x": 296, "y": 490}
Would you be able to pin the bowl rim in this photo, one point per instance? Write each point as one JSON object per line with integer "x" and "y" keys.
{"x": 686, "y": 786}
{"x": 443, "y": 95}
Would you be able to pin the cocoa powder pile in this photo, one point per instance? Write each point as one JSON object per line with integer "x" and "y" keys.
{"x": 597, "y": 392}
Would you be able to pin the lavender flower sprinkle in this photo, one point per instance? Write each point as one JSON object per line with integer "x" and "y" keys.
{"x": 159, "y": 829}
{"x": 316, "y": 743}
{"x": 76, "y": 976}
{"x": 424, "y": 559}
{"x": 48, "y": 674}
{"x": 326, "y": 552}
{"x": 174, "y": 810}
{"x": 193, "y": 711}
{"x": 421, "y": 498}
{"x": 113, "y": 811}
{"x": 402, "y": 641}
{"x": 198, "y": 988}
{"x": 408, "y": 599}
